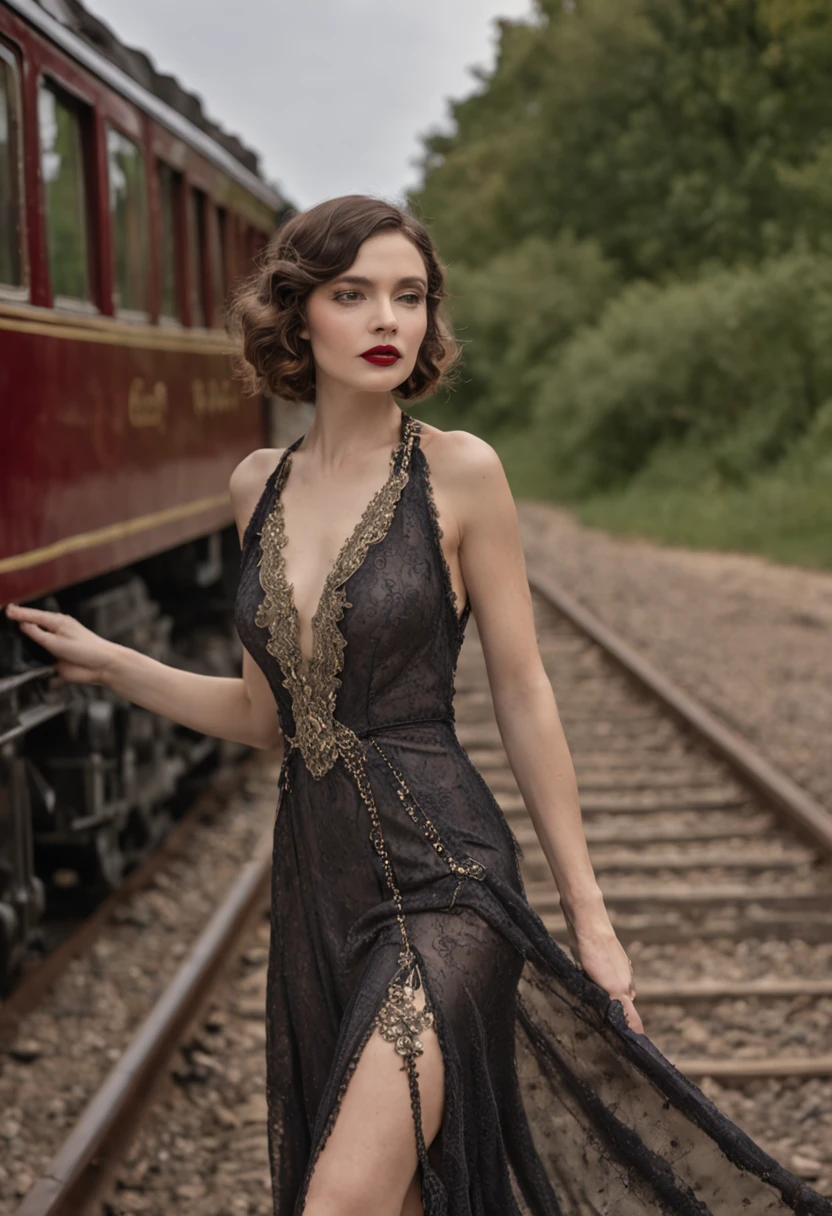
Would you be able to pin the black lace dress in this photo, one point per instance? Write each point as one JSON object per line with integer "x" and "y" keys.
{"x": 394, "y": 867}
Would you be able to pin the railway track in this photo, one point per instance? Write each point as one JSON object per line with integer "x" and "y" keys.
{"x": 70, "y": 940}
{"x": 716, "y": 871}
{"x": 68, "y": 1030}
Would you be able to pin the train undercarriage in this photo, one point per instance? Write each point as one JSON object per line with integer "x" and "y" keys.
{"x": 87, "y": 778}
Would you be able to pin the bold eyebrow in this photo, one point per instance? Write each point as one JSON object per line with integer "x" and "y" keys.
{"x": 410, "y": 280}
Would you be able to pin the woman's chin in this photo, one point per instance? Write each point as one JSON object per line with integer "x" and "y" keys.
{"x": 375, "y": 380}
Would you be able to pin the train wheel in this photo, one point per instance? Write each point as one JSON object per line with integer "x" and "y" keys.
{"x": 109, "y": 856}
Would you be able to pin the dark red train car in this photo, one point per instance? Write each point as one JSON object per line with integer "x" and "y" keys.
{"x": 125, "y": 216}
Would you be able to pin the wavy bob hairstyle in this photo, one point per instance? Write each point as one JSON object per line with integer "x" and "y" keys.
{"x": 266, "y": 312}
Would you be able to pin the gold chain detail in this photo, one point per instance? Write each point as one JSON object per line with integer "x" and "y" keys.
{"x": 399, "y": 1020}
{"x": 469, "y": 867}
{"x": 352, "y": 752}
{"x": 313, "y": 695}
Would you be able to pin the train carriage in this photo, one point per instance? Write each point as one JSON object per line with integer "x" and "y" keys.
{"x": 126, "y": 216}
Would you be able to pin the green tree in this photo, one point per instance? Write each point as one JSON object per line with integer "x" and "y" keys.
{"x": 714, "y": 378}
{"x": 658, "y": 128}
{"x": 514, "y": 313}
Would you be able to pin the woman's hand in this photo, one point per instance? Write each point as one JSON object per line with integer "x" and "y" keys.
{"x": 81, "y": 655}
{"x": 605, "y": 961}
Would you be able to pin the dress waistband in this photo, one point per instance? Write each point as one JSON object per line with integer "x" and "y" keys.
{"x": 290, "y": 746}
{"x": 380, "y": 727}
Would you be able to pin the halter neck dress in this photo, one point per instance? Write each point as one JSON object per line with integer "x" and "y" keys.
{"x": 395, "y": 868}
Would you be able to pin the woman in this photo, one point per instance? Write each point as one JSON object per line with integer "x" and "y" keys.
{"x": 430, "y": 1048}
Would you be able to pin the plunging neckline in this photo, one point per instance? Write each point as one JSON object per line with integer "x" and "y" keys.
{"x": 304, "y": 665}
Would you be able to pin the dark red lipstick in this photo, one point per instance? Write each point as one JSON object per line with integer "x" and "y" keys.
{"x": 382, "y": 356}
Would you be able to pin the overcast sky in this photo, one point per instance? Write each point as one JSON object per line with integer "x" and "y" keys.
{"x": 333, "y": 94}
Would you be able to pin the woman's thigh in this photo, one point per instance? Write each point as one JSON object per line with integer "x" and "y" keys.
{"x": 368, "y": 1162}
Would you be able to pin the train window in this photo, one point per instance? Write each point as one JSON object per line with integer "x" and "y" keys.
{"x": 170, "y": 186}
{"x": 196, "y": 261}
{"x": 65, "y": 194}
{"x": 245, "y": 247}
{"x": 11, "y": 190}
{"x": 218, "y": 227}
{"x": 242, "y": 259}
{"x": 128, "y": 219}
{"x": 253, "y": 243}
{"x": 259, "y": 241}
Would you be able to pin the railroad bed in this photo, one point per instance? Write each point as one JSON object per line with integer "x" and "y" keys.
{"x": 64, "y": 1047}
{"x": 721, "y": 900}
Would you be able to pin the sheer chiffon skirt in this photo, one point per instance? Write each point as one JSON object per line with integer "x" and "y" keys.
{"x": 552, "y": 1104}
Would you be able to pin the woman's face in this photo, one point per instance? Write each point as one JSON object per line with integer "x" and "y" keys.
{"x": 379, "y": 302}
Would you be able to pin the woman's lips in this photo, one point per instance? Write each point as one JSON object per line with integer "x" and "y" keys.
{"x": 382, "y": 356}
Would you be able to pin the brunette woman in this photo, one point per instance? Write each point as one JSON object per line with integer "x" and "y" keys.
{"x": 430, "y": 1048}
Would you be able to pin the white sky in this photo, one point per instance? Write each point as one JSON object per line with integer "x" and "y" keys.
{"x": 333, "y": 94}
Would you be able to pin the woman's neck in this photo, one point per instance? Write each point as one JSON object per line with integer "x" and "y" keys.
{"x": 345, "y": 424}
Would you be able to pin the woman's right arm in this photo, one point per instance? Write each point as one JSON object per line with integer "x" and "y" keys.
{"x": 242, "y": 710}
{"x": 225, "y": 707}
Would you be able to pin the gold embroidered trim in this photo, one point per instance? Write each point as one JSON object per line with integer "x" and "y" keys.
{"x": 313, "y": 694}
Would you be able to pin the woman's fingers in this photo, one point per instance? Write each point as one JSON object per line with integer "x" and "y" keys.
{"x": 631, "y": 1014}
{"x": 50, "y": 639}
{"x": 83, "y": 654}
{"x": 36, "y": 630}
{"x": 50, "y": 621}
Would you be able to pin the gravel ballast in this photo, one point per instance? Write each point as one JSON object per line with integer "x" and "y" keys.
{"x": 750, "y": 639}
{"x": 66, "y": 1047}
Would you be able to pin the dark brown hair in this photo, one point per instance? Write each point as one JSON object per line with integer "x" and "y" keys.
{"x": 266, "y": 311}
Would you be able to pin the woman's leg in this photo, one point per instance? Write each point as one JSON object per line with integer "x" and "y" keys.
{"x": 367, "y": 1166}
{"x": 412, "y": 1205}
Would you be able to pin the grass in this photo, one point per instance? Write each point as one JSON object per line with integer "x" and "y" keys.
{"x": 785, "y": 521}
{"x": 784, "y": 515}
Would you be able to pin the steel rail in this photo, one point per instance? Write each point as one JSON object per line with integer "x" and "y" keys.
{"x": 85, "y": 1161}
{"x": 42, "y": 977}
{"x": 778, "y": 792}
{"x": 811, "y": 818}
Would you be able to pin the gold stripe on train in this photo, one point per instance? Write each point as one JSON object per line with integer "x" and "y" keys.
{"x": 112, "y": 332}
{"x": 102, "y": 536}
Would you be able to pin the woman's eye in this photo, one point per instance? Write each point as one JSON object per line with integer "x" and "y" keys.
{"x": 349, "y": 297}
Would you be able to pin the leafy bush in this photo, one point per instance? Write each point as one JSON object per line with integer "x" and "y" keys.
{"x": 513, "y": 313}
{"x": 723, "y": 374}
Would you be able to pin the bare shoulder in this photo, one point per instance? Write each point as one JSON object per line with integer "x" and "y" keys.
{"x": 468, "y": 479}
{"x": 248, "y": 480}
{"x": 253, "y": 471}
{"x": 462, "y": 463}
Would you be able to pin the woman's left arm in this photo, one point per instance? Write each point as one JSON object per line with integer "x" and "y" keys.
{"x": 494, "y": 570}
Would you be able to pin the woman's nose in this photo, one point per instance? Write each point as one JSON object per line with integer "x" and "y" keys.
{"x": 386, "y": 318}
